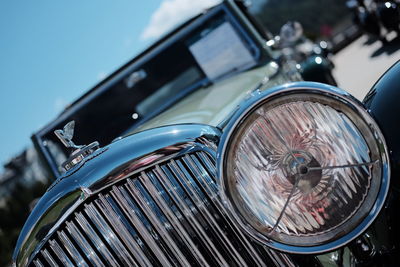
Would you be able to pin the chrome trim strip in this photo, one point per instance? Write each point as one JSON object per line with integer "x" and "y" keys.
{"x": 109, "y": 234}
{"x": 187, "y": 211}
{"x": 60, "y": 253}
{"x": 104, "y": 203}
{"x": 149, "y": 239}
{"x": 173, "y": 221}
{"x": 46, "y": 255}
{"x": 73, "y": 252}
{"x": 124, "y": 198}
{"x": 280, "y": 259}
{"x": 83, "y": 244}
{"x": 38, "y": 263}
{"x": 218, "y": 203}
{"x": 96, "y": 240}
{"x": 202, "y": 203}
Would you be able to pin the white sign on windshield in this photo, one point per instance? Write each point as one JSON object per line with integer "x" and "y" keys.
{"x": 221, "y": 51}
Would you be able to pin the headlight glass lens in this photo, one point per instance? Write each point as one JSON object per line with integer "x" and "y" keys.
{"x": 302, "y": 170}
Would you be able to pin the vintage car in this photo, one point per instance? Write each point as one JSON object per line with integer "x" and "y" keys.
{"x": 205, "y": 151}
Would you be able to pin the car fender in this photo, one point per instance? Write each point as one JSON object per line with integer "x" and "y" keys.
{"x": 382, "y": 101}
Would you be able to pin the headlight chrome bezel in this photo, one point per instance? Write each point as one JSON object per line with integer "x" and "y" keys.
{"x": 338, "y": 95}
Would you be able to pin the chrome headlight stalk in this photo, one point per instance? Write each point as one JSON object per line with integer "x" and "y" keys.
{"x": 304, "y": 168}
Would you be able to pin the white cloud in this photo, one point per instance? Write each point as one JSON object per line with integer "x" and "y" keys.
{"x": 172, "y": 12}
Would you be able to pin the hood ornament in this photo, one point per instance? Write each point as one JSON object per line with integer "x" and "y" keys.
{"x": 80, "y": 152}
{"x": 66, "y": 134}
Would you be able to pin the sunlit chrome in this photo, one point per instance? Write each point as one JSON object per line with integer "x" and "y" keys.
{"x": 80, "y": 152}
{"x": 303, "y": 168}
{"x": 148, "y": 199}
{"x": 66, "y": 134}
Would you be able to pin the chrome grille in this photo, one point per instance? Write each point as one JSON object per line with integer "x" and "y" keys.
{"x": 170, "y": 214}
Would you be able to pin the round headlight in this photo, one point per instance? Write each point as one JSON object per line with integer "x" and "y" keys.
{"x": 304, "y": 170}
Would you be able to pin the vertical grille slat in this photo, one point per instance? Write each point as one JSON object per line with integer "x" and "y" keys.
{"x": 203, "y": 207}
{"x": 215, "y": 199}
{"x": 160, "y": 224}
{"x": 79, "y": 261}
{"x": 206, "y": 161}
{"x": 170, "y": 214}
{"x": 83, "y": 244}
{"x": 96, "y": 240}
{"x": 46, "y": 255}
{"x": 280, "y": 259}
{"x": 203, "y": 177}
{"x": 60, "y": 253}
{"x": 38, "y": 263}
{"x": 125, "y": 234}
{"x": 166, "y": 223}
{"x": 112, "y": 239}
{"x": 148, "y": 237}
{"x": 187, "y": 211}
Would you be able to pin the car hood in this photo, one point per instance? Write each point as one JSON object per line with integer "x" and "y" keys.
{"x": 213, "y": 104}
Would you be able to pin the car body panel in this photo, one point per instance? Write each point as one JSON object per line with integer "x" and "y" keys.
{"x": 212, "y": 105}
{"x": 383, "y": 103}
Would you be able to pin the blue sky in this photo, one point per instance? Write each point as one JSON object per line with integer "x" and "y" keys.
{"x": 51, "y": 52}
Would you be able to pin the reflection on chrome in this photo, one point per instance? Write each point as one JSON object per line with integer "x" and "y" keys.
{"x": 302, "y": 170}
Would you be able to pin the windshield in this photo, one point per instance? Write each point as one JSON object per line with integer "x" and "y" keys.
{"x": 202, "y": 51}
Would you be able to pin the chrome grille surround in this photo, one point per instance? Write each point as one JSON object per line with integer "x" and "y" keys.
{"x": 161, "y": 206}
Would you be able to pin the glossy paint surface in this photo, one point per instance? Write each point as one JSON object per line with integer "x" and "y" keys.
{"x": 382, "y": 101}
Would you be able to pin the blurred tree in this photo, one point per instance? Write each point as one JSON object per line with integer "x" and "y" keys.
{"x": 24, "y": 179}
{"x": 14, "y": 214}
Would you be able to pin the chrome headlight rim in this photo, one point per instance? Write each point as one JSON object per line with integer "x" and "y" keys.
{"x": 309, "y": 88}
